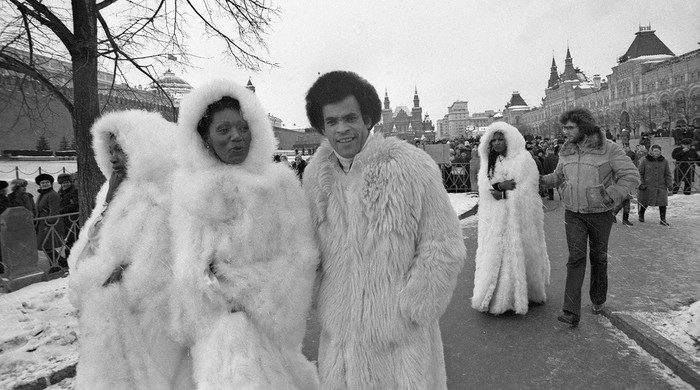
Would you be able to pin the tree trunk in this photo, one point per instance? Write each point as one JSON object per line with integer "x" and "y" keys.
{"x": 85, "y": 101}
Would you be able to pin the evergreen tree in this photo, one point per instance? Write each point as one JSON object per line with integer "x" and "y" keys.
{"x": 42, "y": 144}
{"x": 63, "y": 145}
{"x": 73, "y": 145}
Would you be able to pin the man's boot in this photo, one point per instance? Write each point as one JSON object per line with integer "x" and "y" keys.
{"x": 626, "y": 219}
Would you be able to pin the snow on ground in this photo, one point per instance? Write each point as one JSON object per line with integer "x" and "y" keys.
{"x": 38, "y": 332}
{"x": 38, "y": 326}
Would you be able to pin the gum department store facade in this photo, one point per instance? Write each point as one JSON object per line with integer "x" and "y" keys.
{"x": 649, "y": 89}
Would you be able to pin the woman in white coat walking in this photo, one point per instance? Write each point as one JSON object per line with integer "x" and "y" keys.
{"x": 512, "y": 266}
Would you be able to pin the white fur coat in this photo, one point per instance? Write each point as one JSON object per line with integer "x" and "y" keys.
{"x": 245, "y": 256}
{"x": 391, "y": 250}
{"x": 512, "y": 266}
{"x": 125, "y": 342}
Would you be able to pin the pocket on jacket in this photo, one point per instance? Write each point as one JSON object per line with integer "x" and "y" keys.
{"x": 595, "y": 196}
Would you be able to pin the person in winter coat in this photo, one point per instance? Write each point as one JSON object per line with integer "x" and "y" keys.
{"x": 4, "y": 202}
{"x": 391, "y": 245}
{"x": 685, "y": 156}
{"x": 512, "y": 265}
{"x": 656, "y": 181}
{"x": 474, "y": 164}
{"x": 19, "y": 197}
{"x": 69, "y": 204}
{"x": 299, "y": 165}
{"x": 243, "y": 274}
{"x": 121, "y": 265}
{"x": 596, "y": 176}
{"x": 551, "y": 160}
{"x": 48, "y": 230}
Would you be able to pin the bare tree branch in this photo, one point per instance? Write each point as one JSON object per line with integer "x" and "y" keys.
{"x": 43, "y": 15}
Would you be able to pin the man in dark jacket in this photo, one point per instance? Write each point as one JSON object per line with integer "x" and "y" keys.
{"x": 69, "y": 204}
{"x": 685, "y": 156}
{"x": 4, "y": 202}
{"x": 549, "y": 165}
{"x": 47, "y": 204}
{"x": 299, "y": 165}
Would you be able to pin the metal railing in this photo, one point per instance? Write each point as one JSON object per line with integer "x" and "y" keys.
{"x": 455, "y": 177}
{"x": 16, "y": 171}
{"x": 686, "y": 177}
{"x": 56, "y": 244}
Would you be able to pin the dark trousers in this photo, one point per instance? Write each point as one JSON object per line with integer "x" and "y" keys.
{"x": 583, "y": 230}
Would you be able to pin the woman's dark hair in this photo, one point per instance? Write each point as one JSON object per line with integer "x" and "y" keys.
{"x": 583, "y": 119}
{"x": 493, "y": 155}
{"x": 335, "y": 86}
{"x": 224, "y": 103}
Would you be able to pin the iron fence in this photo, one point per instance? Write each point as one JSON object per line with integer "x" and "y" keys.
{"x": 455, "y": 177}
{"x": 58, "y": 238}
{"x": 18, "y": 173}
{"x": 686, "y": 177}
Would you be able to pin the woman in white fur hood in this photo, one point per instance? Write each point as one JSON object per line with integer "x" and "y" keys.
{"x": 512, "y": 266}
{"x": 245, "y": 255}
{"x": 121, "y": 264}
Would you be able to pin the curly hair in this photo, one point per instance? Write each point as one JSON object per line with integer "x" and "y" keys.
{"x": 583, "y": 119}
{"x": 335, "y": 86}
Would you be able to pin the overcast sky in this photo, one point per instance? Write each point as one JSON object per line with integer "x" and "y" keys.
{"x": 478, "y": 51}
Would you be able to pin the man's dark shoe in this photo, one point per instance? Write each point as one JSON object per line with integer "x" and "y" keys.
{"x": 569, "y": 318}
{"x": 627, "y": 222}
{"x": 597, "y": 309}
{"x": 641, "y": 218}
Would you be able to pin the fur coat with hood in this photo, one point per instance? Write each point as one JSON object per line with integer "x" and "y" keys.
{"x": 391, "y": 251}
{"x": 125, "y": 338}
{"x": 245, "y": 256}
{"x": 512, "y": 266}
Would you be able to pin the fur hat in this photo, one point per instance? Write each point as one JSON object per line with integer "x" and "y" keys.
{"x": 3, "y": 184}
{"x": 18, "y": 183}
{"x": 64, "y": 177}
{"x": 42, "y": 177}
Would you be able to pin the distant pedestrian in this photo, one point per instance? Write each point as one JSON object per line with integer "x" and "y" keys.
{"x": 474, "y": 165}
{"x": 4, "y": 202}
{"x": 299, "y": 165}
{"x": 551, "y": 160}
{"x": 69, "y": 204}
{"x": 20, "y": 197}
{"x": 596, "y": 176}
{"x": 625, "y": 137}
{"x": 656, "y": 181}
{"x": 639, "y": 154}
{"x": 685, "y": 156}
{"x": 512, "y": 265}
{"x": 48, "y": 230}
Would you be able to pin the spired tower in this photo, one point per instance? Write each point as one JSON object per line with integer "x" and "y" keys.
{"x": 387, "y": 115}
{"x": 250, "y": 85}
{"x": 416, "y": 111}
{"x": 569, "y": 71}
{"x": 553, "y": 75}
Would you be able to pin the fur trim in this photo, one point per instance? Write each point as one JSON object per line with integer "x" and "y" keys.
{"x": 391, "y": 250}
{"x": 146, "y": 137}
{"x": 190, "y": 145}
{"x": 512, "y": 266}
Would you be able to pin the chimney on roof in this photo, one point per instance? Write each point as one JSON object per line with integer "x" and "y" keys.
{"x": 596, "y": 81}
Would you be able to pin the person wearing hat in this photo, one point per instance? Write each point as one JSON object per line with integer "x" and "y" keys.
{"x": 685, "y": 156}
{"x": 69, "y": 204}
{"x": 19, "y": 197}
{"x": 47, "y": 204}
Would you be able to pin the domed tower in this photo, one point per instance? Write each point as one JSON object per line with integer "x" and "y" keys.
{"x": 174, "y": 86}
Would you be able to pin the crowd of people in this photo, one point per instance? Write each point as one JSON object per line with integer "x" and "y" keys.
{"x": 207, "y": 286}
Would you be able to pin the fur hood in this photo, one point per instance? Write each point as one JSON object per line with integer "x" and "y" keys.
{"x": 144, "y": 164}
{"x": 191, "y": 147}
{"x": 514, "y": 141}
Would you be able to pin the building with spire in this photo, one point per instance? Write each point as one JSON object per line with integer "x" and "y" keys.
{"x": 649, "y": 88}
{"x": 404, "y": 123}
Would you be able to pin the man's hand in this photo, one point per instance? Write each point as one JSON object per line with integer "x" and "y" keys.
{"x": 498, "y": 195}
